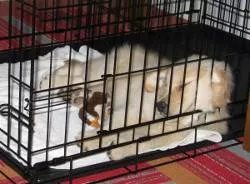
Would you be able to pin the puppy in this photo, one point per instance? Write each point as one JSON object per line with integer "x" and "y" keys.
{"x": 183, "y": 94}
{"x": 134, "y": 98}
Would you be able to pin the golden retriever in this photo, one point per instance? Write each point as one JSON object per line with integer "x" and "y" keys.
{"x": 200, "y": 84}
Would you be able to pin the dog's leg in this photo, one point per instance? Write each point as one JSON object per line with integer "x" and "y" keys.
{"x": 59, "y": 80}
{"x": 122, "y": 152}
{"x": 99, "y": 142}
{"x": 221, "y": 126}
{"x": 167, "y": 140}
{"x": 92, "y": 144}
{"x": 163, "y": 141}
{"x": 125, "y": 137}
{"x": 154, "y": 143}
{"x": 131, "y": 150}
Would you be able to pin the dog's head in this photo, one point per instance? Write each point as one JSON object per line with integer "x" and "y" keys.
{"x": 191, "y": 87}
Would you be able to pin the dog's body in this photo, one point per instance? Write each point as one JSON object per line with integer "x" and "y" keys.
{"x": 125, "y": 61}
{"x": 117, "y": 61}
{"x": 206, "y": 94}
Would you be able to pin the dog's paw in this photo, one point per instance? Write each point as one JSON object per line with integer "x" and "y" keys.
{"x": 116, "y": 155}
{"x": 77, "y": 98}
{"x": 94, "y": 143}
{"x": 87, "y": 145}
{"x": 122, "y": 152}
{"x": 91, "y": 145}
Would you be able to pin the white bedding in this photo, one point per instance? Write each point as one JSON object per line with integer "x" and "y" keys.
{"x": 58, "y": 115}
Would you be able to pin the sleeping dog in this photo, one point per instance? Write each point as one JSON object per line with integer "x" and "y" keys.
{"x": 154, "y": 94}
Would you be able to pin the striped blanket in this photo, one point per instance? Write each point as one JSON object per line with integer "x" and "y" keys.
{"x": 227, "y": 166}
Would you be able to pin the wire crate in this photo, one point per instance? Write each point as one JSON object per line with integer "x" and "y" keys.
{"x": 38, "y": 126}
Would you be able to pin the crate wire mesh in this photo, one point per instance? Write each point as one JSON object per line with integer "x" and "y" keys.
{"x": 175, "y": 28}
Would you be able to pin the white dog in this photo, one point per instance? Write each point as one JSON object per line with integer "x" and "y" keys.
{"x": 207, "y": 94}
{"x": 206, "y": 87}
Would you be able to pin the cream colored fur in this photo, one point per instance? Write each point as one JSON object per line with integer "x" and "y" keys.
{"x": 208, "y": 91}
{"x": 96, "y": 67}
{"x": 212, "y": 93}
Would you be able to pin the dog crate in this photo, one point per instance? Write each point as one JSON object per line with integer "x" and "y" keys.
{"x": 37, "y": 36}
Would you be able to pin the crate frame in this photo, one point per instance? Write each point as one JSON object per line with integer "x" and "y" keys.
{"x": 33, "y": 173}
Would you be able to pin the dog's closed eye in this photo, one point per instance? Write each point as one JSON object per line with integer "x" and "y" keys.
{"x": 183, "y": 85}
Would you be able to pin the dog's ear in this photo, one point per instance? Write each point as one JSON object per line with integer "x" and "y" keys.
{"x": 151, "y": 80}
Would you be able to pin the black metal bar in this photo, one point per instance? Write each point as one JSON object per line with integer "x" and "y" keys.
{"x": 13, "y": 139}
{"x": 31, "y": 95}
{"x": 68, "y": 89}
{"x": 9, "y": 70}
{"x": 107, "y": 62}
{"x": 85, "y": 102}
{"x": 240, "y": 116}
{"x": 19, "y": 81}
{"x": 20, "y": 100}
{"x": 13, "y": 151}
{"x": 128, "y": 85}
{"x": 127, "y": 162}
{"x": 49, "y": 92}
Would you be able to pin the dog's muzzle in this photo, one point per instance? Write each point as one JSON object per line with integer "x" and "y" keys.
{"x": 162, "y": 107}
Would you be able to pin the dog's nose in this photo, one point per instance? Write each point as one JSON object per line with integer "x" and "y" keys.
{"x": 162, "y": 106}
